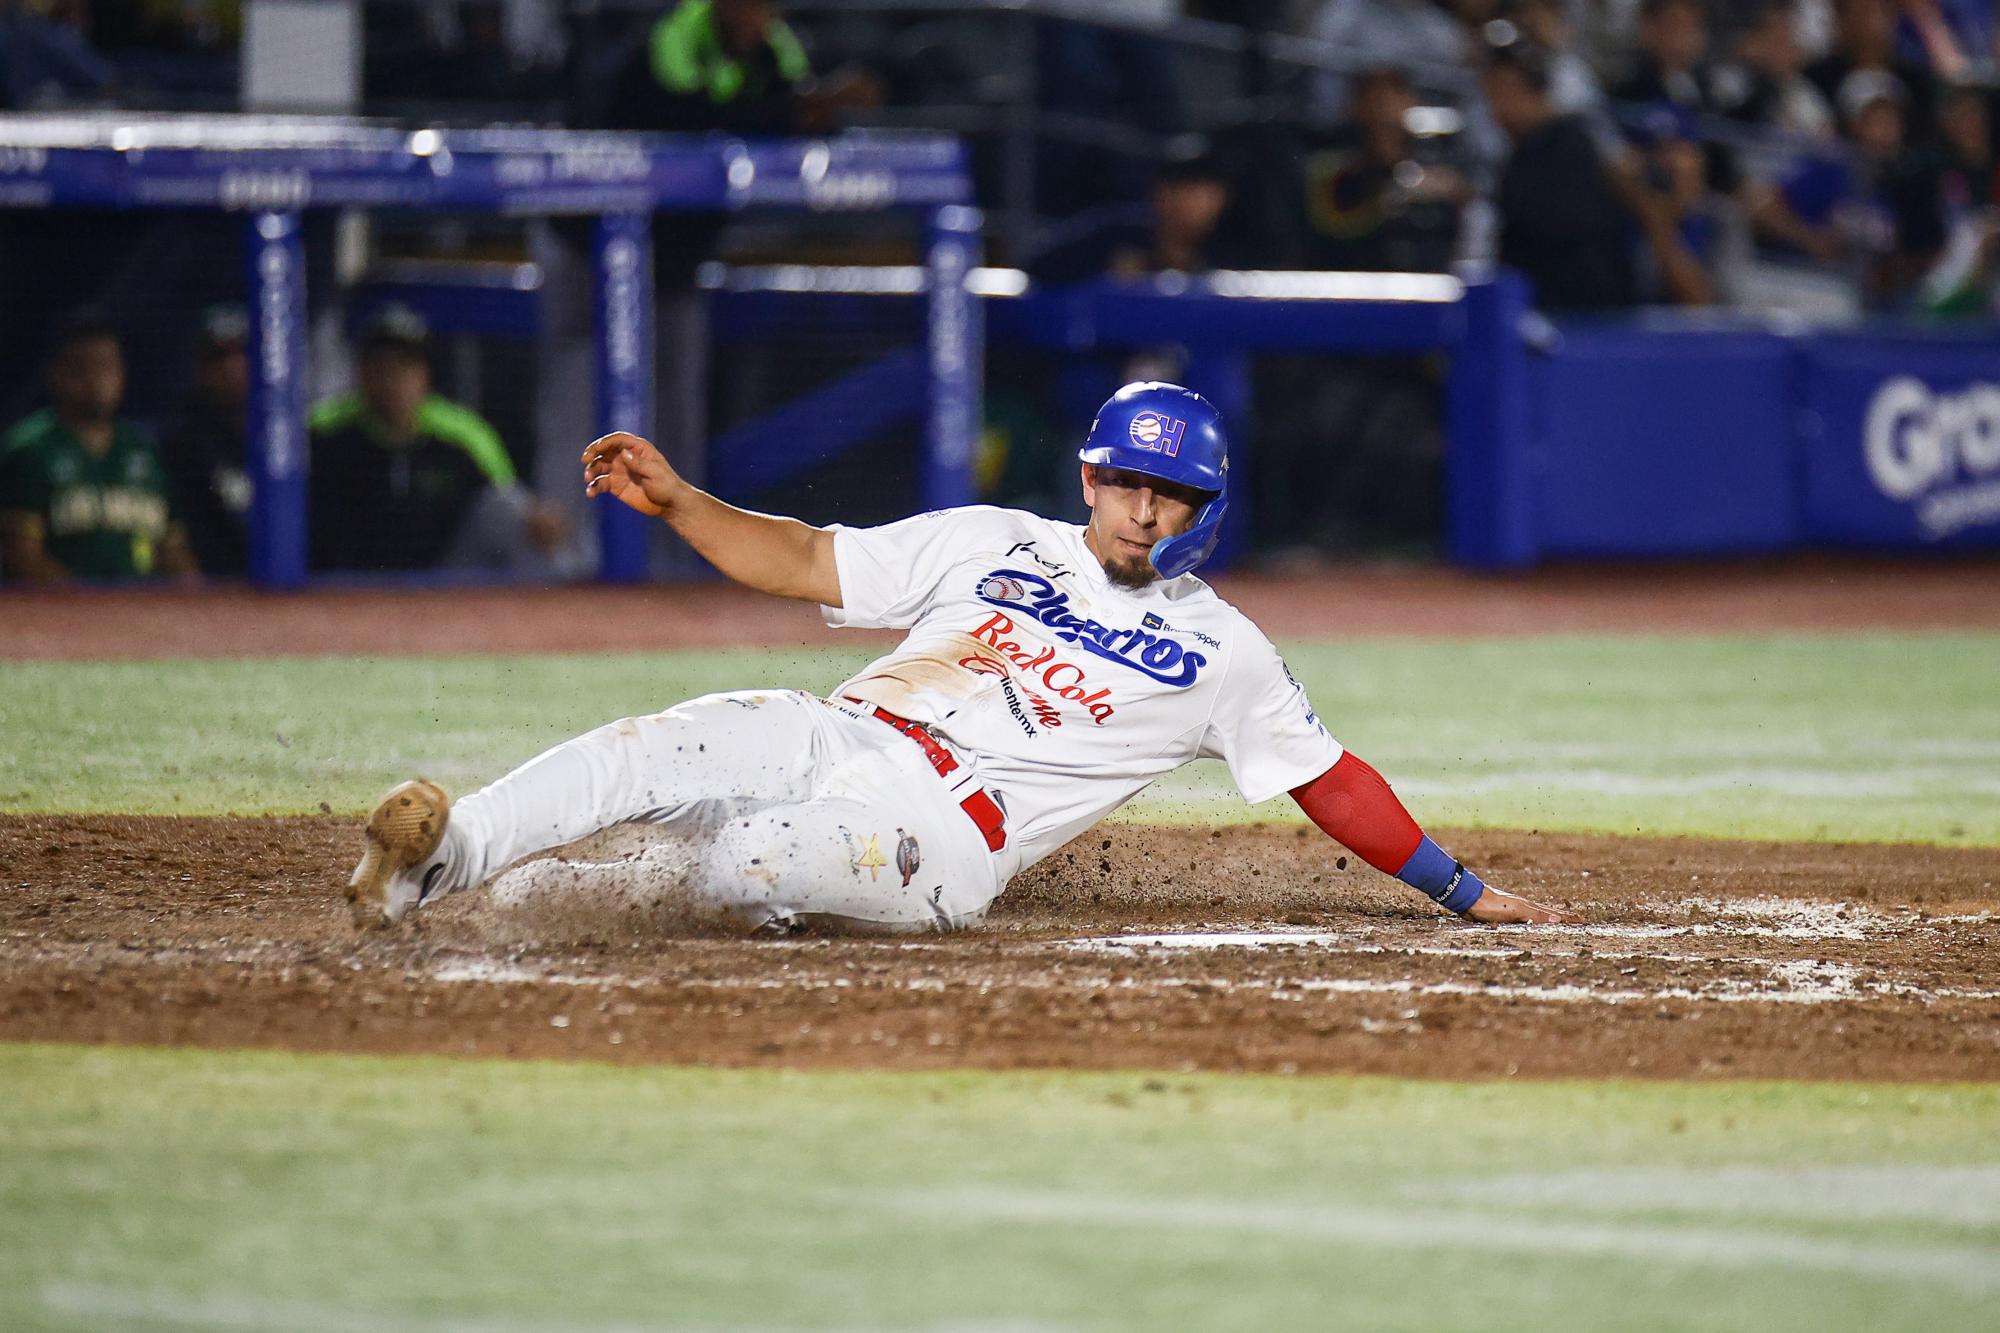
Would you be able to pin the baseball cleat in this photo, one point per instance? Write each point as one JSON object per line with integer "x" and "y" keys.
{"x": 403, "y": 833}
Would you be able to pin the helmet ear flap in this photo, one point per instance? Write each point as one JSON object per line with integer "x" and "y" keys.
{"x": 1175, "y": 556}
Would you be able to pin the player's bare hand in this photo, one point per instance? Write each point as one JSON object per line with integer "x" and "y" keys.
{"x": 1505, "y": 909}
{"x": 631, "y": 470}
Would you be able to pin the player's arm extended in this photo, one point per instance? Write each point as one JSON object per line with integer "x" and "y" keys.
{"x": 1354, "y": 806}
{"x": 781, "y": 556}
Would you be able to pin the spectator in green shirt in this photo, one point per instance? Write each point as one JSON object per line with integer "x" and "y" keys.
{"x": 83, "y": 494}
{"x": 403, "y": 478}
{"x": 729, "y": 65}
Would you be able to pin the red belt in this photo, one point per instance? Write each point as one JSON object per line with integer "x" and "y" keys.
{"x": 980, "y": 808}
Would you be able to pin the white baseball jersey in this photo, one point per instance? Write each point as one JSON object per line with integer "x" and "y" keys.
{"x": 1066, "y": 693}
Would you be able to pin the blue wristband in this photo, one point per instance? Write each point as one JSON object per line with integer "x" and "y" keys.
{"x": 1432, "y": 872}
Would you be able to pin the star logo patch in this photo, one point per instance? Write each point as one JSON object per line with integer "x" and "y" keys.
{"x": 871, "y": 858}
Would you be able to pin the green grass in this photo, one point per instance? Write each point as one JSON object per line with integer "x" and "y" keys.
{"x": 1862, "y": 736}
{"x": 265, "y": 1190}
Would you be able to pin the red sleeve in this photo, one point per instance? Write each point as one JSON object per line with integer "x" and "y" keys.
{"x": 1354, "y": 806}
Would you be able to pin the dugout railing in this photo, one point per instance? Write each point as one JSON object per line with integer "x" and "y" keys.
{"x": 1655, "y": 435}
{"x": 273, "y": 169}
{"x": 1662, "y": 434}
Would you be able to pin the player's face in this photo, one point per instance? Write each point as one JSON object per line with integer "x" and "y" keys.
{"x": 87, "y": 382}
{"x": 1129, "y": 511}
{"x": 395, "y": 383}
{"x": 743, "y": 23}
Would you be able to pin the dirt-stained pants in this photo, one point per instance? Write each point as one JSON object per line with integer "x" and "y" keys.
{"x": 804, "y": 811}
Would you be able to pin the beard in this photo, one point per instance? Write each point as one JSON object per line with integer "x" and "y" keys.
{"x": 1132, "y": 573}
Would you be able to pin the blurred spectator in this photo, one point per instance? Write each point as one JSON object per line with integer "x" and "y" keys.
{"x": 1573, "y": 84}
{"x": 1765, "y": 84}
{"x": 1963, "y": 281}
{"x": 1672, "y": 68}
{"x": 1373, "y": 197}
{"x": 1674, "y": 182}
{"x": 1671, "y": 62}
{"x": 82, "y": 493}
{"x": 730, "y": 65}
{"x": 1174, "y": 231}
{"x": 1561, "y": 223}
{"x": 1373, "y": 33}
{"x": 1876, "y": 208}
{"x": 46, "y": 58}
{"x": 204, "y": 453}
{"x": 1865, "y": 39}
{"x": 1965, "y": 129}
{"x": 402, "y": 478}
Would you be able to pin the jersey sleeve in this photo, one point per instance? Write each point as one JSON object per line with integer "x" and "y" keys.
{"x": 1264, "y": 727}
{"x": 888, "y": 575}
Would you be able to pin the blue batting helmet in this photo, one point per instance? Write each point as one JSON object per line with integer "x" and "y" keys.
{"x": 1165, "y": 431}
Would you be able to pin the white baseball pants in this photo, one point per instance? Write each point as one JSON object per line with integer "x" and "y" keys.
{"x": 803, "y": 811}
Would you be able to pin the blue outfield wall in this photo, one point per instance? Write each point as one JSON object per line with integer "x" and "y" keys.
{"x": 1642, "y": 440}
{"x": 1656, "y": 443}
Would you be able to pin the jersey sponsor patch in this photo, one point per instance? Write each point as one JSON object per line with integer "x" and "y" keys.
{"x": 1161, "y": 659}
{"x": 1151, "y": 621}
{"x": 1062, "y": 678}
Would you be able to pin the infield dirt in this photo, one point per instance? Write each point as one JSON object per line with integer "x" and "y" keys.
{"x": 1692, "y": 959}
{"x": 1724, "y": 959}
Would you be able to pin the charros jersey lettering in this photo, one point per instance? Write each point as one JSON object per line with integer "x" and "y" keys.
{"x": 1159, "y": 657}
{"x": 1066, "y": 693}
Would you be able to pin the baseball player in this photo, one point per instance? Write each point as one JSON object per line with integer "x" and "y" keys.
{"x": 1049, "y": 673}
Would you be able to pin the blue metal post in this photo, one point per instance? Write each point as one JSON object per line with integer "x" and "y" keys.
{"x": 1488, "y": 487}
{"x": 622, "y": 291}
{"x": 955, "y": 356}
{"x": 275, "y": 442}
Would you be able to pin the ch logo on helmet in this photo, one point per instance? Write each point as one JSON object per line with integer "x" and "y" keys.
{"x": 1161, "y": 434}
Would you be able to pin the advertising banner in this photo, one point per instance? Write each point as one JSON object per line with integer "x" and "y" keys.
{"x": 1900, "y": 442}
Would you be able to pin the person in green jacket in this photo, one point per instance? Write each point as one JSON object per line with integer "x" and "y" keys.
{"x": 82, "y": 493}
{"x": 402, "y": 477}
{"x": 730, "y": 65}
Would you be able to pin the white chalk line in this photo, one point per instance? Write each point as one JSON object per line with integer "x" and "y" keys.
{"x": 1789, "y": 982}
{"x": 1972, "y": 1270}
{"x": 1959, "y": 1195}
{"x": 1783, "y": 981}
{"x": 1807, "y": 981}
{"x": 1745, "y": 918}
{"x": 220, "y": 1310}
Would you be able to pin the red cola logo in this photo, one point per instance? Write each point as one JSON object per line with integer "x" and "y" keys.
{"x": 1044, "y": 712}
{"x": 1149, "y": 654}
{"x": 1065, "y": 680}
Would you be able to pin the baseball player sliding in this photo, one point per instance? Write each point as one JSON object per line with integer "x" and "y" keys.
{"x": 1049, "y": 673}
